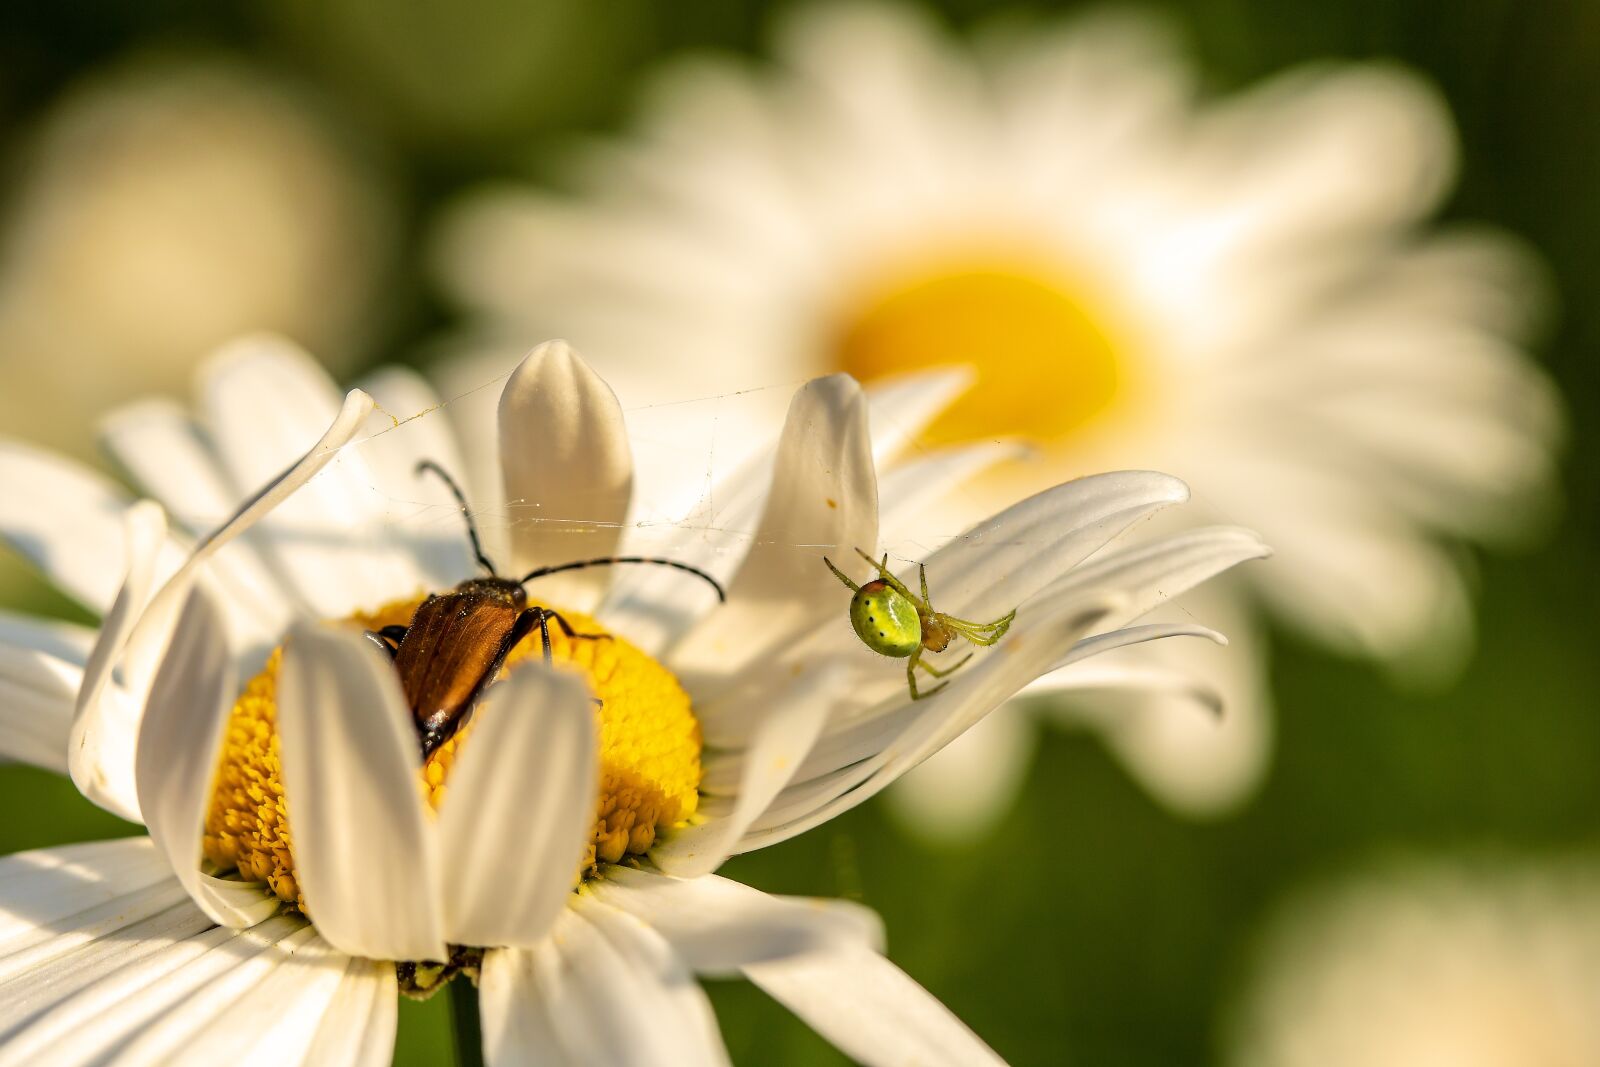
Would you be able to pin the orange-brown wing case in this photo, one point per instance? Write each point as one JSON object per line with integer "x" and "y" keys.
{"x": 455, "y": 639}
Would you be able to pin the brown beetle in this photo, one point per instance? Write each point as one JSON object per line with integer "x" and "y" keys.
{"x": 458, "y": 641}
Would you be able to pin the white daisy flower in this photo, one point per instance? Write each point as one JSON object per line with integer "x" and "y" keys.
{"x": 1471, "y": 965}
{"x": 305, "y": 860}
{"x": 1234, "y": 291}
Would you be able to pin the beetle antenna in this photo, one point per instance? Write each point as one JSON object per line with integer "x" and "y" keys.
{"x": 428, "y": 466}
{"x": 607, "y": 561}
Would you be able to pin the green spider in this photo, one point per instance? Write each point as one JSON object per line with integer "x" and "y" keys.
{"x": 893, "y": 621}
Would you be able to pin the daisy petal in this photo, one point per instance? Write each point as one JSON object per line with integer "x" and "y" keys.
{"x": 776, "y": 746}
{"x": 532, "y": 749}
{"x": 359, "y": 1027}
{"x": 150, "y": 1001}
{"x": 610, "y": 990}
{"x": 439, "y": 540}
{"x": 1190, "y": 718}
{"x": 963, "y": 789}
{"x": 280, "y": 1007}
{"x": 149, "y": 637}
{"x": 364, "y": 844}
{"x": 167, "y": 454}
{"x": 923, "y": 727}
{"x": 719, "y": 926}
{"x": 66, "y": 520}
{"x": 65, "y": 641}
{"x": 516, "y": 1018}
{"x": 179, "y": 739}
{"x": 1004, "y": 559}
{"x": 266, "y": 400}
{"x": 567, "y": 467}
{"x": 37, "y": 694}
{"x": 105, "y": 718}
{"x": 903, "y": 407}
{"x": 824, "y": 499}
{"x": 52, "y": 991}
{"x": 869, "y": 1009}
{"x": 910, "y": 492}
{"x": 1149, "y": 574}
{"x": 73, "y": 887}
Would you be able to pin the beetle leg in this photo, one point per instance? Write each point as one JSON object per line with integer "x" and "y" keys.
{"x": 566, "y": 629}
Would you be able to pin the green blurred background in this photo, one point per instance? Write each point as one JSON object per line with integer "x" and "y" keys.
{"x": 1093, "y": 928}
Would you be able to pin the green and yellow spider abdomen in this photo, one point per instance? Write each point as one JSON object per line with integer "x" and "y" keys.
{"x": 886, "y": 620}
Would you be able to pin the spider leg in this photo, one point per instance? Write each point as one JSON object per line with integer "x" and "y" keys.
{"x": 980, "y": 633}
{"x": 922, "y": 575}
{"x": 911, "y": 676}
{"x": 841, "y": 575}
{"x": 937, "y": 673}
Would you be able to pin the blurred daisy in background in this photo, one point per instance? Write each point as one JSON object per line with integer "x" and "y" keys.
{"x": 167, "y": 204}
{"x": 305, "y": 862}
{"x": 1465, "y": 964}
{"x": 1237, "y": 290}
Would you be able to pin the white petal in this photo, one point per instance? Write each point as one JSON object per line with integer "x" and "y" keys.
{"x": 274, "y": 1016}
{"x": 1151, "y": 573}
{"x": 914, "y": 497}
{"x": 1001, "y": 561}
{"x": 150, "y": 636}
{"x": 967, "y": 787}
{"x": 359, "y": 1027}
{"x": 105, "y": 719}
{"x": 718, "y": 926}
{"x": 1191, "y": 719}
{"x": 51, "y": 890}
{"x": 777, "y": 745}
{"x": 364, "y": 847}
{"x": 823, "y": 501}
{"x": 176, "y": 764}
{"x": 471, "y": 382}
{"x": 923, "y": 727}
{"x": 420, "y": 506}
{"x": 266, "y": 402}
{"x": 611, "y": 992}
{"x": 141, "y": 939}
{"x": 516, "y": 1017}
{"x": 188, "y": 997}
{"x": 902, "y": 407}
{"x": 568, "y": 470}
{"x": 519, "y": 810}
{"x": 167, "y": 454}
{"x": 869, "y": 1008}
{"x": 65, "y": 519}
{"x": 37, "y": 694}
{"x": 65, "y": 641}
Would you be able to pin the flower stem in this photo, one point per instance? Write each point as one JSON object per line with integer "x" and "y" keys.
{"x": 464, "y": 1022}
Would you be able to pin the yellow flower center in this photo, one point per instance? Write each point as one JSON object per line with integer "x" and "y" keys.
{"x": 649, "y": 755}
{"x": 1047, "y": 364}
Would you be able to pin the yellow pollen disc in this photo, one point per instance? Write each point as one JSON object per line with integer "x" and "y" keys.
{"x": 1046, "y": 365}
{"x": 649, "y": 755}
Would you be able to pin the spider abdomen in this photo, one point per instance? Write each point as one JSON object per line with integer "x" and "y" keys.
{"x": 886, "y": 620}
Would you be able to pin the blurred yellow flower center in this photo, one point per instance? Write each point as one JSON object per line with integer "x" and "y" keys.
{"x": 1046, "y": 365}
{"x": 649, "y": 755}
